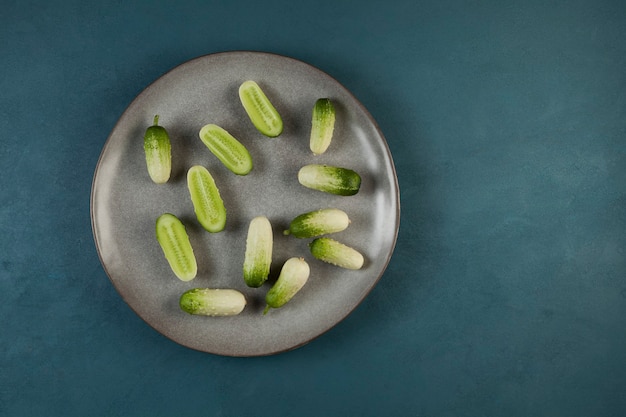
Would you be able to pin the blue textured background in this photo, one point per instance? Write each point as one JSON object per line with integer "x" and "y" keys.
{"x": 506, "y": 295}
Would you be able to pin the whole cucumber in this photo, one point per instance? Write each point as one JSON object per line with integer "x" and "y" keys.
{"x": 330, "y": 179}
{"x": 258, "y": 256}
{"x": 336, "y": 253}
{"x": 293, "y": 275}
{"x": 322, "y": 126}
{"x": 212, "y": 302}
{"x": 158, "y": 151}
{"x": 318, "y": 223}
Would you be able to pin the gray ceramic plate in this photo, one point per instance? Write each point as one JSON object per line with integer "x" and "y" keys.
{"x": 125, "y": 203}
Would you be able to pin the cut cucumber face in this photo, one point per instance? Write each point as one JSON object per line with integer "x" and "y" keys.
{"x": 174, "y": 241}
{"x": 158, "y": 150}
{"x": 318, "y": 223}
{"x": 227, "y": 149}
{"x": 212, "y": 302}
{"x": 322, "y": 126}
{"x": 336, "y": 253}
{"x": 207, "y": 202}
{"x": 260, "y": 110}
{"x": 330, "y": 179}
{"x": 258, "y": 256}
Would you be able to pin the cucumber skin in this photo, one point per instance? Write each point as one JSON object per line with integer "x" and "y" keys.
{"x": 258, "y": 256}
{"x": 270, "y": 126}
{"x": 158, "y": 151}
{"x": 232, "y": 153}
{"x": 212, "y": 302}
{"x": 336, "y": 253}
{"x": 318, "y": 223}
{"x": 293, "y": 276}
{"x": 207, "y": 202}
{"x": 322, "y": 126}
{"x": 330, "y": 179}
{"x": 187, "y": 270}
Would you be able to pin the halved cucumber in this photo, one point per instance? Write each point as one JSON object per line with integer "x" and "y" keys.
{"x": 322, "y": 126}
{"x": 318, "y": 223}
{"x": 205, "y": 196}
{"x": 227, "y": 149}
{"x": 336, "y": 253}
{"x": 174, "y": 241}
{"x": 212, "y": 302}
{"x": 330, "y": 179}
{"x": 260, "y": 110}
{"x": 158, "y": 150}
{"x": 258, "y": 257}
{"x": 293, "y": 275}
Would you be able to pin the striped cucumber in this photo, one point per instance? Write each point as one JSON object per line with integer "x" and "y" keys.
{"x": 212, "y": 302}
{"x": 260, "y": 110}
{"x": 293, "y": 275}
{"x": 227, "y": 149}
{"x": 158, "y": 150}
{"x": 172, "y": 237}
{"x": 336, "y": 253}
{"x": 330, "y": 179}
{"x": 318, "y": 223}
{"x": 205, "y": 196}
{"x": 322, "y": 126}
{"x": 258, "y": 257}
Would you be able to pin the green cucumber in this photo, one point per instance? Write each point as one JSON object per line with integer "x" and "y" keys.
{"x": 174, "y": 241}
{"x": 158, "y": 150}
{"x": 212, "y": 302}
{"x": 336, "y": 253}
{"x": 227, "y": 149}
{"x": 258, "y": 257}
{"x": 318, "y": 223}
{"x": 293, "y": 275}
{"x": 322, "y": 126}
{"x": 207, "y": 202}
{"x": 260, "y": 110}
{"x": 330, "y": 179}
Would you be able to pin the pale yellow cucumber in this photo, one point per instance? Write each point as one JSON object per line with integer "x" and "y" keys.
{"x": 318, "y": 223}
{"x": 336, "y": 253}
{"x": 258, "y": 256}
{"x": 212, "y": 302}
{"x": 293, "y": 275}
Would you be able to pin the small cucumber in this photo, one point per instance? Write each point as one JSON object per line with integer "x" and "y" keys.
{"x": 322, "y": 126}
{"x": 212, "y": 302}
{"x": 172, "y": 237}
{"x": 262, "y": 113}
{"x": 336, "y": 253}
{"x": 227, "y": 149}
{"x": 205, "y": 196}
{"x": 258, "y": 257}
{"x": 158, "y": 150}
{"x": 317, "y": 223}
{"x": 293, "y": 276}
{"x": 329, "y": 179}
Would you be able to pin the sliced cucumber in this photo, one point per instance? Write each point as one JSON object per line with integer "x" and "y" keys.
{"x": 293, "y": 275}
{"x": 330, "y": 179}
{"x": 227, "y": 149}
{"x": 318, "y": 223}
{"x": 174, "y": 241}
{"x": 258, "y": 257}
{"x": 336, "y": 253}
{"x": 212, "y": 302}
{"x": 260, "y": 110}
{"x": 322, "y": 126}
{"x": 158, "y": 150}
{"x": 205, "y": 196}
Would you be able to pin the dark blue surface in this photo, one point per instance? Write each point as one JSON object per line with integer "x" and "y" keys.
{"x": 507, "y": 291}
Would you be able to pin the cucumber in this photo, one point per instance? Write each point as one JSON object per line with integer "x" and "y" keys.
{"x": 258, "y": 257}
{"x": 318, "y": 223}
{"x": 212, "y": 302}
{"x": 260, "y": 110}
{"x": 293, "y": 275}
{"x": 336, "y": 253}
{"x": 227, "y": 149}
{"x": 207, "y": 202}
{"x": 330, "y": 179}
{"x": 172, "y": 237}
{"x": 322, "y": 126}
{"x": 158, "y": 150}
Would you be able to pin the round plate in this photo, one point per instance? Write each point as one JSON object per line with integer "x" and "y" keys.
{"x": 125, "y": 203}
